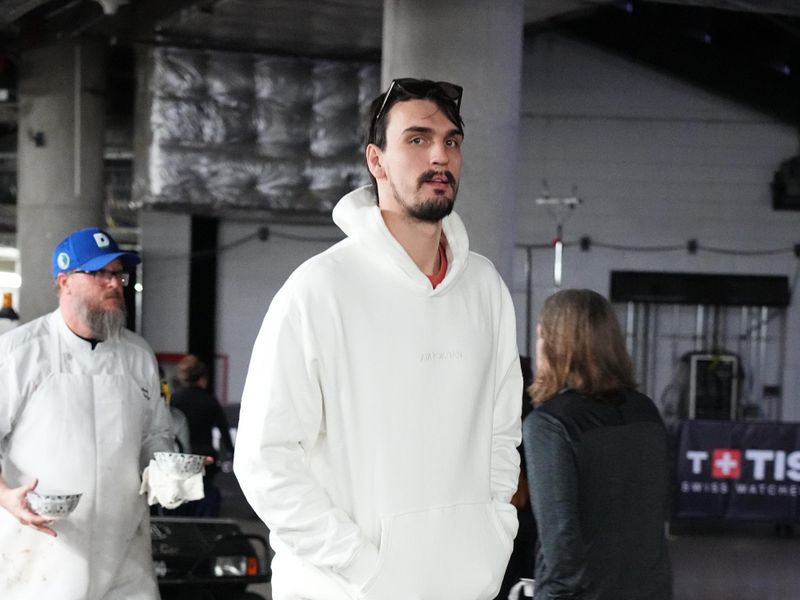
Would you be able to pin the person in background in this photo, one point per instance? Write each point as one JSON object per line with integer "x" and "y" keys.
{"x": 9, "y": 318}
{"x": 381, "y": 412}
{"x": 598, "y": 461}
{"x": 203, "y": 413}
{"x": 179, "y": 431}
{"x": 80, "y": 411}
{"x": 180, "y": 424}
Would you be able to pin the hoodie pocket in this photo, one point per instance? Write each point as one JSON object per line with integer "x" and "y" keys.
{"x": 451, "y": 552}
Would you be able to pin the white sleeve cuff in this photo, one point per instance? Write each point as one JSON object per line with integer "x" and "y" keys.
{"x": 362, "y": 566}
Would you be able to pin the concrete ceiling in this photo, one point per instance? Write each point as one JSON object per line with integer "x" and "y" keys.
{"x": 747, "y": 49}
{"x": 338, "y": 27}
{"x": 330, "y": 27}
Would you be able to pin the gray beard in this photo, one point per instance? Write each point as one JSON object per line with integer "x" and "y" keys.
{"x": 104, "y": 324}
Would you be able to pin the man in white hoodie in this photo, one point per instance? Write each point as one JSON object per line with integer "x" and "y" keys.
{"x": 380, "y": 417}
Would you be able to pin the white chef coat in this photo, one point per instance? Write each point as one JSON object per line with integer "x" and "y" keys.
{"x": 84, "y": 420}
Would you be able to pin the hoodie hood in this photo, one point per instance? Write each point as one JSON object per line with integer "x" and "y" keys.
{"x": 357, "y": 214}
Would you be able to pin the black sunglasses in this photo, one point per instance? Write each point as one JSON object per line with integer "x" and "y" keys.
{"x": 422, "y": 88}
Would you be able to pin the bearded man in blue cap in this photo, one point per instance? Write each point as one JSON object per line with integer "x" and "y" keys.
{"x": 80, "y": 411}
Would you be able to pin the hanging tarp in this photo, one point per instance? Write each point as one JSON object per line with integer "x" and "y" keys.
{"x": 228, "y": 130}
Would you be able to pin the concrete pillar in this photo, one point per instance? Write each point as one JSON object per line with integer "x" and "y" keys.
{"x": 476, "y": 44}
{"x": 59, "y": 158}
{"x": 166, "y": 251}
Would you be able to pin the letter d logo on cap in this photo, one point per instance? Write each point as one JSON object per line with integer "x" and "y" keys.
{"x": 101, "y": 240}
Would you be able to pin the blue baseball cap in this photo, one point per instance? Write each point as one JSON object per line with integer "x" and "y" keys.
{"x": 89, "y": 249}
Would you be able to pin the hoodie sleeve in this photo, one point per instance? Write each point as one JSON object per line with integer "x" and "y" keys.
{"x": 280, "y": 419}
{"x": 506, "y": 424}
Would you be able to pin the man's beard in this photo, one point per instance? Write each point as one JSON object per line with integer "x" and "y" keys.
{"x": 430, "y": 210}
{"x": 105, "y": 324}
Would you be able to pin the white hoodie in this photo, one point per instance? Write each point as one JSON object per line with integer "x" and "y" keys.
{"x": 379, "y": 422}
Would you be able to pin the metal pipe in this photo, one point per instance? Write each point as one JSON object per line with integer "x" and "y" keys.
{"x": 528, "y": 298}
{"x": 558, "y": 253}
{"x": 652, "y": 348}
{"x": 699, "y": 326}
{"x": 778, "y": 412}
{"x": 77, "y": 124}
{"x": 630, "y": 327}
{"x": 752, "y": 339}
{"x": 641, "y": 345}
{"x": 762, "y": 352}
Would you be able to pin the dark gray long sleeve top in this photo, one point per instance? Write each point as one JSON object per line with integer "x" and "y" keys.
{"x": 599, "y": 479}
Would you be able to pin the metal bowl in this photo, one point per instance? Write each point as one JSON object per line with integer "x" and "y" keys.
{"x": 176, "y": 463}
{"x": 53, "y": 505}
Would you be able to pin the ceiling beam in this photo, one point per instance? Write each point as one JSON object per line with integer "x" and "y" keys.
{"x": 772, "y": 7}
{"x": 11, "y": 10}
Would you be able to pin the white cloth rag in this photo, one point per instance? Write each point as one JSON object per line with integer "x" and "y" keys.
{"x": 168, "y": 489}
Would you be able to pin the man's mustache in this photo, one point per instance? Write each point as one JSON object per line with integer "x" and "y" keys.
{"x": 432, "y": 175}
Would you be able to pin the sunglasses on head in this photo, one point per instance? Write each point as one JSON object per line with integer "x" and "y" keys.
{"x": 422, "y": 88}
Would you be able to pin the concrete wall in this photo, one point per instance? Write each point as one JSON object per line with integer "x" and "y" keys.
{"x": 249, "y": 276}
{"x": 657, "y": 162}
{"x": 166, "y": 246}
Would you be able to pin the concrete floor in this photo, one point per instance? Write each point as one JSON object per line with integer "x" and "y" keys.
{"x": 735, "y": 561}
{"x": 711, "y": 561}
{"x": 743, "y": 564}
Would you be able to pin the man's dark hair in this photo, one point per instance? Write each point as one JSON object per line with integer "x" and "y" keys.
{"x": 191, "y": 369}
{"x": 446, "y": 96}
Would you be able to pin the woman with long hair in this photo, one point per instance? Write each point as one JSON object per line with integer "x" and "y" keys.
{"x": 598, "y": 461}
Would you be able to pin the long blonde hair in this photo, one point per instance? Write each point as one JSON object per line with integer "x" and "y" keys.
{"x": 582, "y": 347}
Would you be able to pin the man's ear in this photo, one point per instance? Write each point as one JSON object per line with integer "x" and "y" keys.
{"x": 61, "y": 281}
{"x": 374, "y": 156}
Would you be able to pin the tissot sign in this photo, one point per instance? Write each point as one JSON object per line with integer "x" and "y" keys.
{"x": 738, "y": 470}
